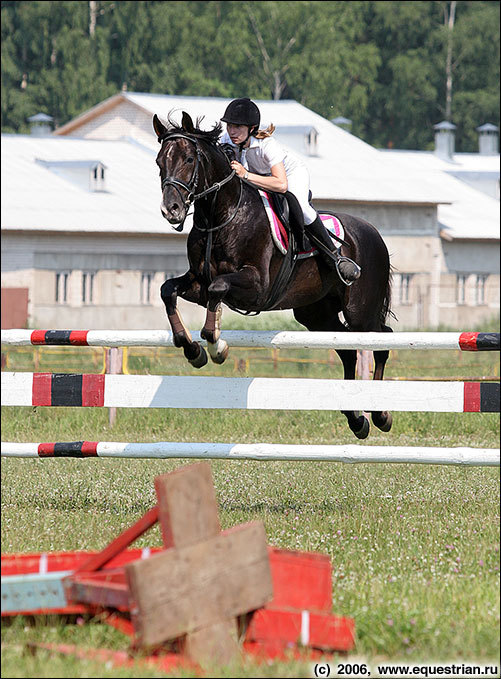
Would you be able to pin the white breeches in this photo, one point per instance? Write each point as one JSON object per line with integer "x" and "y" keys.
{"x": 299, "y": 184}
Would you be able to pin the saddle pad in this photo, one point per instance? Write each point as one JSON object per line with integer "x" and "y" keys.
{"x": 279, "y": 233}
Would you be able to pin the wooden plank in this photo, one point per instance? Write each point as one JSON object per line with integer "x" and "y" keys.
{"x": 301, "y": 580}
{"x": 187, "y": 505}
{"x": 34, "y": 591}
{"x": 182, "y": 590}
{"x": 166, "y": 662}
{"x": 121, "y": 542}
{"x": 97, "y": 592}
{"x": 302, "y": 628}
{"x": 47, "y": 562}
{"x": 188, "y": 513}
{"x": 216, "y": 644}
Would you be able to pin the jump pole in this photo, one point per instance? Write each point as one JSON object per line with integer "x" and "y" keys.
{"x": 464, "y": 341}
{"x": 483, "y": 457}
{"x": 161, "y": 391}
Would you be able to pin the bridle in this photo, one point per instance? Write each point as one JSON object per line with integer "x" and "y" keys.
{"x": 191, "y": 184}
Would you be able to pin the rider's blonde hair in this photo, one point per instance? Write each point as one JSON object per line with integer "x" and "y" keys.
{"x": 263, "y": 134}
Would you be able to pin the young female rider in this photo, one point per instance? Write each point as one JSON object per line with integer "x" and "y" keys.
{"x": 268, "y": 166}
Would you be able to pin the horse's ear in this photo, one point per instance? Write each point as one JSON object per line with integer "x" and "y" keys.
{"x": 160, "y": 129}
{"x": 187, "y": 122}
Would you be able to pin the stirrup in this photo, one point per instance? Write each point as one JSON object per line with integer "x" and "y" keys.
{"x": 340, "y": 259}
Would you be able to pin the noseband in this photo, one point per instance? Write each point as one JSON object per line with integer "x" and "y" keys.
{"x": 190, "y": 186}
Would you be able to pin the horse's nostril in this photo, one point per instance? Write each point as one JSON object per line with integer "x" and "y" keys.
{"x": 174, "y": 207}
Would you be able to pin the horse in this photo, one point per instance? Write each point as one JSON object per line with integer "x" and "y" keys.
{"x": 232, "y": 259}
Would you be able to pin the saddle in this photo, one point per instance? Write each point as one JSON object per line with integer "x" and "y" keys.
{"x": 287, "y": 229}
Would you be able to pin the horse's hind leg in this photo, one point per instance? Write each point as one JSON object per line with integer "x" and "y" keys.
{"x": 382, "y": 419}
{"x": 357, "y": 421}
{"x": 169, "y": 291}
{"x": 323, "y": 316}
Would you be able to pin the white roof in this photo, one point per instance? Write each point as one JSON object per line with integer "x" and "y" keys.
{"x": 346, "y": 167}
{"x": 35, "y": 197}
{"x": 459, "y": 163}
{"x": 472, "y": 214}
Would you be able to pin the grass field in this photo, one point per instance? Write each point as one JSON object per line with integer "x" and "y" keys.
{"x": 414, "y": 548}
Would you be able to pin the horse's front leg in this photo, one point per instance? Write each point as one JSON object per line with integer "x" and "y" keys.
{"x": 217, "y": 347}
{"x": 244, "y": 286}
{"x": 188, "y": 287}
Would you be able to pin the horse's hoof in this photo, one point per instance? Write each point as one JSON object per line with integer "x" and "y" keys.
{"x": 218, "y": 351}
{"x": 200, "y": 360}
{"x": 384, "y": 422}
{"x": 363, "y": 432}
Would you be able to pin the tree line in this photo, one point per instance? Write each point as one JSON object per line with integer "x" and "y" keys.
{"x": 393, "y": 68}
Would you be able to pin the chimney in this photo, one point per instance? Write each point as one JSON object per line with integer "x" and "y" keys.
{"x": 40, "y": 125}
{"x": 444, "y": 139}
{"x": 343, "y": 123}
{"x": 488, "y": 140}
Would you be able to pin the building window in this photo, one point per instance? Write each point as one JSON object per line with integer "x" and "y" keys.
{"x": 405, "y": 285}
{"x": 146, "y": 283}
{"x": 461, "y": 288}
{"x": 62, "y": 287}
{"x": 97, "y": 180}
{"x": 480, "y": 289}
{"x": 88, "y": 278}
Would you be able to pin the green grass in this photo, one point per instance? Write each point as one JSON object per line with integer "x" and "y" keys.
{"x": 414, "y": 548}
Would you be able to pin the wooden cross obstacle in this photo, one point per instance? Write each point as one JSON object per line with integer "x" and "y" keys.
{"x": 202, "y": 592}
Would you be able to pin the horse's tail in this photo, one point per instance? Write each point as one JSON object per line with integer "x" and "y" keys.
{"x": 386, "y": 306}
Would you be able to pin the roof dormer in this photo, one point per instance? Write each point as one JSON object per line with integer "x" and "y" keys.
{"x": 89, "y": 175}
{"x": 302, "y": 138}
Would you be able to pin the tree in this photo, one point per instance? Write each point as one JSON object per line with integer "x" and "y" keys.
{"x": 394, "y": 68}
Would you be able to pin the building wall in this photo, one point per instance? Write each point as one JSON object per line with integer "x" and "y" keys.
{"x": 434, "y": 281}
{"x": 123, "y": 120}
{"x": 127, "y": 275}
{"x": 14, "y": 308}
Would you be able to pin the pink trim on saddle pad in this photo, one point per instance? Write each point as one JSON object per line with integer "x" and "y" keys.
{"x": 333, "y": 225}
{"x": 278, "y": 232}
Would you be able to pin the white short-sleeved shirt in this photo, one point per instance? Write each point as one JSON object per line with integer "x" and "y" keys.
{"x": 262, "y": 154}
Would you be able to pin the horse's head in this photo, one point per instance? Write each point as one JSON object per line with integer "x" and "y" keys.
{"x": 178, "y": 160}
{"x": 181, "y": 165}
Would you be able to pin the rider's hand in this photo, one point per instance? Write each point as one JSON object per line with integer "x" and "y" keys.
{"x": 239, "y": 168}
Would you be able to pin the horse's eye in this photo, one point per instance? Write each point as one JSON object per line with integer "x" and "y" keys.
{"x": 189, "y": 160}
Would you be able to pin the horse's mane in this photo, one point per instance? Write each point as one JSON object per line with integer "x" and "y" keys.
{"x": 211, "y": 136}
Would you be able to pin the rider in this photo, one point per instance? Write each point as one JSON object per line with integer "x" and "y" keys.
{"x": 268, "y": 166}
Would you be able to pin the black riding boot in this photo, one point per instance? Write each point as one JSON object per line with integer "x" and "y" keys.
{"x": 347, "y": 269}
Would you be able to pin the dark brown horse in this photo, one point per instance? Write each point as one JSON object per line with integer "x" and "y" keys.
{"x": 233, "y": 259}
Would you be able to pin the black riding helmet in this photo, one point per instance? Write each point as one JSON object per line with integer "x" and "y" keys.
{"x": 243, "y": 112}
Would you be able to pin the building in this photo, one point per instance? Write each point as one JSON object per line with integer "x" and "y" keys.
{"x": 88, "y": 242}
{"x": 82, "y": 232}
